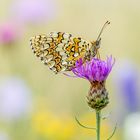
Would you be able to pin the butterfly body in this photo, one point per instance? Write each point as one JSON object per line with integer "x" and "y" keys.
{"x": 60, "y": 50}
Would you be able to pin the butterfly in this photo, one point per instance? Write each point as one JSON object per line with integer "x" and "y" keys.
{"x": 60, "y": 50}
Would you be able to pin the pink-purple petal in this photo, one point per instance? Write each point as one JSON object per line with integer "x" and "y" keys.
{"x": 94, "y": 70}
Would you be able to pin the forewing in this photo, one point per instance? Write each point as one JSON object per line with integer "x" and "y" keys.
{"x": 59, "y": 50}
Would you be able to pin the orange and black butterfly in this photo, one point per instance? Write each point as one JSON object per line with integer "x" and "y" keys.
{"x": 60, "y": 50}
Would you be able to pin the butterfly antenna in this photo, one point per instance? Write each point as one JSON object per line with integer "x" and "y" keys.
{"x": 104, "y": 26}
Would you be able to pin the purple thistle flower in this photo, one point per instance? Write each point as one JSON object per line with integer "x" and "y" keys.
{"x": 94, "y": 70}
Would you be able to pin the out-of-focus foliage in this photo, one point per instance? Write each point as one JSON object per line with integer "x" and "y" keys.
{"x": 36, "y": 104}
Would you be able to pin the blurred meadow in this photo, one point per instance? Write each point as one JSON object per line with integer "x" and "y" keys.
{"x": 36, "y": 104}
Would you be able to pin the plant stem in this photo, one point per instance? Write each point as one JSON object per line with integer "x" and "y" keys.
{"x": 98, "y": 121}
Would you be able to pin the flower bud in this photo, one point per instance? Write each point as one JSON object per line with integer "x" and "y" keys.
{"x": 98, "y": 96}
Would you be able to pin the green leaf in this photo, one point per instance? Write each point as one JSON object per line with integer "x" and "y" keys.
{"x": 84, "y": 125}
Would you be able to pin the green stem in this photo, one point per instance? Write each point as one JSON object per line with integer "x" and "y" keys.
{"x": 98, "y": 121}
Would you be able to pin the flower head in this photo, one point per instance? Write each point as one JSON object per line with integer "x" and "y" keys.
{"x": 15, "y": 99}
{"x": 127, "y": 84}
{"x": 94, "y": 70}
{"x": 33, "y": 11}
{"x": 8, "y": 33}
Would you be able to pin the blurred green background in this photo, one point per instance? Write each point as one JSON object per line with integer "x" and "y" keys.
{"x": 36, "y": 104}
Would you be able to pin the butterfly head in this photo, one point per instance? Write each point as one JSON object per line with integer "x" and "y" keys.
{"x": 95, "y": 46}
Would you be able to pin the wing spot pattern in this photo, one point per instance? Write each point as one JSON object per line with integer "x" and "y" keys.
{"x": 59, "y": 50}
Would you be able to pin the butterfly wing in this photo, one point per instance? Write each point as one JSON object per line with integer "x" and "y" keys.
{"x": 59, "y": 50}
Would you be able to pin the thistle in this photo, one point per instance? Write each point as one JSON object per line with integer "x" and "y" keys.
{"x": 96, "y": 72}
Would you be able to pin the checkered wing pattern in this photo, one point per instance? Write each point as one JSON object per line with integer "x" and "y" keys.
{"x": 59, "y": 50}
